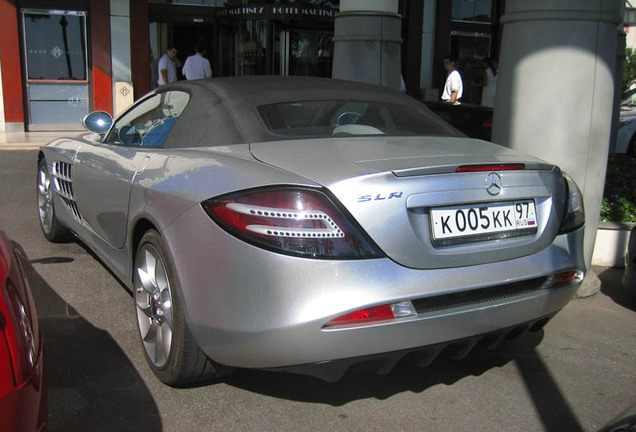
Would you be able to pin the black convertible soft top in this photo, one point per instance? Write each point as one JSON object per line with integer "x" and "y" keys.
{"x": 224, "y": 111}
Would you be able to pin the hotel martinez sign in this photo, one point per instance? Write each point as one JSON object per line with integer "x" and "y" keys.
{"x": 278, "y": 12}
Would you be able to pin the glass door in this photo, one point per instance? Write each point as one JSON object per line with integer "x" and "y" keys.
{"x": 56, "y": 68}
{"x": 302, "y": 52}
{"x": 251, "y": 48}
{"x": 310, "y": 53}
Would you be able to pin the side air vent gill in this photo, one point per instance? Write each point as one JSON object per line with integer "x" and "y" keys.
{"x": 62, "y": 176}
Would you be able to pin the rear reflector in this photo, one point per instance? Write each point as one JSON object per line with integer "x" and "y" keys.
{"x": 363, "y": 316}
{"x": 565, "y": 278}
{"x": 373, "y": 314}
{"x": 490, "y": 167}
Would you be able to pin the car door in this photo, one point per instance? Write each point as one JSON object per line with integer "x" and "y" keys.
{"x": 104, "y": 172}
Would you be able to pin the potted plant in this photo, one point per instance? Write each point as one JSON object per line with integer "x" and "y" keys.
{"x": 619, "y": 195}
{"x": 618, "y": 212}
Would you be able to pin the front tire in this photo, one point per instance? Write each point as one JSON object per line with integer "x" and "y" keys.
{"x": 52, "y": 229}
{"x": 169, "y": 347}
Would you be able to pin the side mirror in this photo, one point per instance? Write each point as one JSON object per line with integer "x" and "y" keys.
{"x": 98, "y": 122}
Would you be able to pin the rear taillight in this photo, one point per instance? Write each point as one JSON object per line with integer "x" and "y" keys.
{"x": 574, "y": 216}
{"x": 296, "y": 221}
{"x": 16, "y": 317}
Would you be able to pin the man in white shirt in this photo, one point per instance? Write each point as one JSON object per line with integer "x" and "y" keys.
{"x": 197, "y": 66}
{"x": 454, "y": 88}
{"x": 168, "y": 64}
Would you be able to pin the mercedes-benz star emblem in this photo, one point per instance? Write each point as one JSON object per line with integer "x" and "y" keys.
{"x": 493, "y": 184}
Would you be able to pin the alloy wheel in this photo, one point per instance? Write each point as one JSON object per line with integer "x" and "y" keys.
{"x": 45, "y": 199}
{"x": 153, "y": 298}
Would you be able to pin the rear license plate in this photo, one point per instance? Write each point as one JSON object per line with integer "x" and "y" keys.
{"x": 482, "y": 222}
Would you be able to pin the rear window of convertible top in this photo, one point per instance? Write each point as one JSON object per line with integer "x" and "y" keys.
{"x": 325, "y": 118}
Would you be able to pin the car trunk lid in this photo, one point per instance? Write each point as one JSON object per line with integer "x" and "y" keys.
{"x": 407, "y": 194}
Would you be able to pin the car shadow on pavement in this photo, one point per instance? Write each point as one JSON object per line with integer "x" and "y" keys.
{"x": 551, "y": 405}
{"x": 92, "y": 385}
{"x": 611, "y": 286}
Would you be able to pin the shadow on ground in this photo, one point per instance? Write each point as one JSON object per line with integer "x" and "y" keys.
{"x": 611, "y": 286}
{"x": 356, "y": 385}
{"x": 92, "y": 386}
{"x": 551, "y": 405}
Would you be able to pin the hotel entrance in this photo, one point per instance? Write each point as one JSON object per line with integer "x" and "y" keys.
{"x": 182, "y": 27}
{"x": 243, "y": 41}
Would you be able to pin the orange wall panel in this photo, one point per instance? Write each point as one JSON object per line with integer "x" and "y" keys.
{"x": 101, "y": 75}
{"x": 11, "y": 68}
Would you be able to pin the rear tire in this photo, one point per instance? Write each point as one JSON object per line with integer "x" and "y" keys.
{"x": 170, "y": 349}
{"x": 52, "y": 229}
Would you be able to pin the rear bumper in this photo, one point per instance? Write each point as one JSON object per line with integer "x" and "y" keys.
{"x": 309, "y": 342}
{"x": 383, "y": 363}
{"x": 248, "y": 307}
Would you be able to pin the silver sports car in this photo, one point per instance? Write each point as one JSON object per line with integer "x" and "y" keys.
{"x": 311, "y": 225}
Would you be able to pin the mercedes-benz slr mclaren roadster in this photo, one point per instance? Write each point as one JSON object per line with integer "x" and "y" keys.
{"x": 309, "y": 225}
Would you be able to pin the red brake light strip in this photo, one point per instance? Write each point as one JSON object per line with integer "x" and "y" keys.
{"x": 490, "y": 167}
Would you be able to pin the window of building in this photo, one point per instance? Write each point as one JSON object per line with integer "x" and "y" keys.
{"x": 55, "y": 45}
{"x": 472, "y": 10}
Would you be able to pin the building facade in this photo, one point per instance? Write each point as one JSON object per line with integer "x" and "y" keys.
{"x": 60, "y": 59}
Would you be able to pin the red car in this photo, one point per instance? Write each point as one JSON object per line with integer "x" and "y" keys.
{"x": 22, "y": 385}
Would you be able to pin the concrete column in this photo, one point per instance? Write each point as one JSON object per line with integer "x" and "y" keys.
{"x": 120, "y": 40}
{"x": 555, "y": 89}
{"x": 428, "y": 45}
{"x": 367, "y": 42}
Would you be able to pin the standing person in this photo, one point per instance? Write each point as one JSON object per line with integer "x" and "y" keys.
{"x": 197, "y": 66}
{"x": 168, "y": 64}
{"x": 489, "y": 83}
{"x": 454, "y": 88}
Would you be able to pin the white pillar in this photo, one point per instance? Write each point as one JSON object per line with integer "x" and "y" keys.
{"x": 367, "y": 41}
{"x": 120, "y": 40}
{"x": 555, "y": 89}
